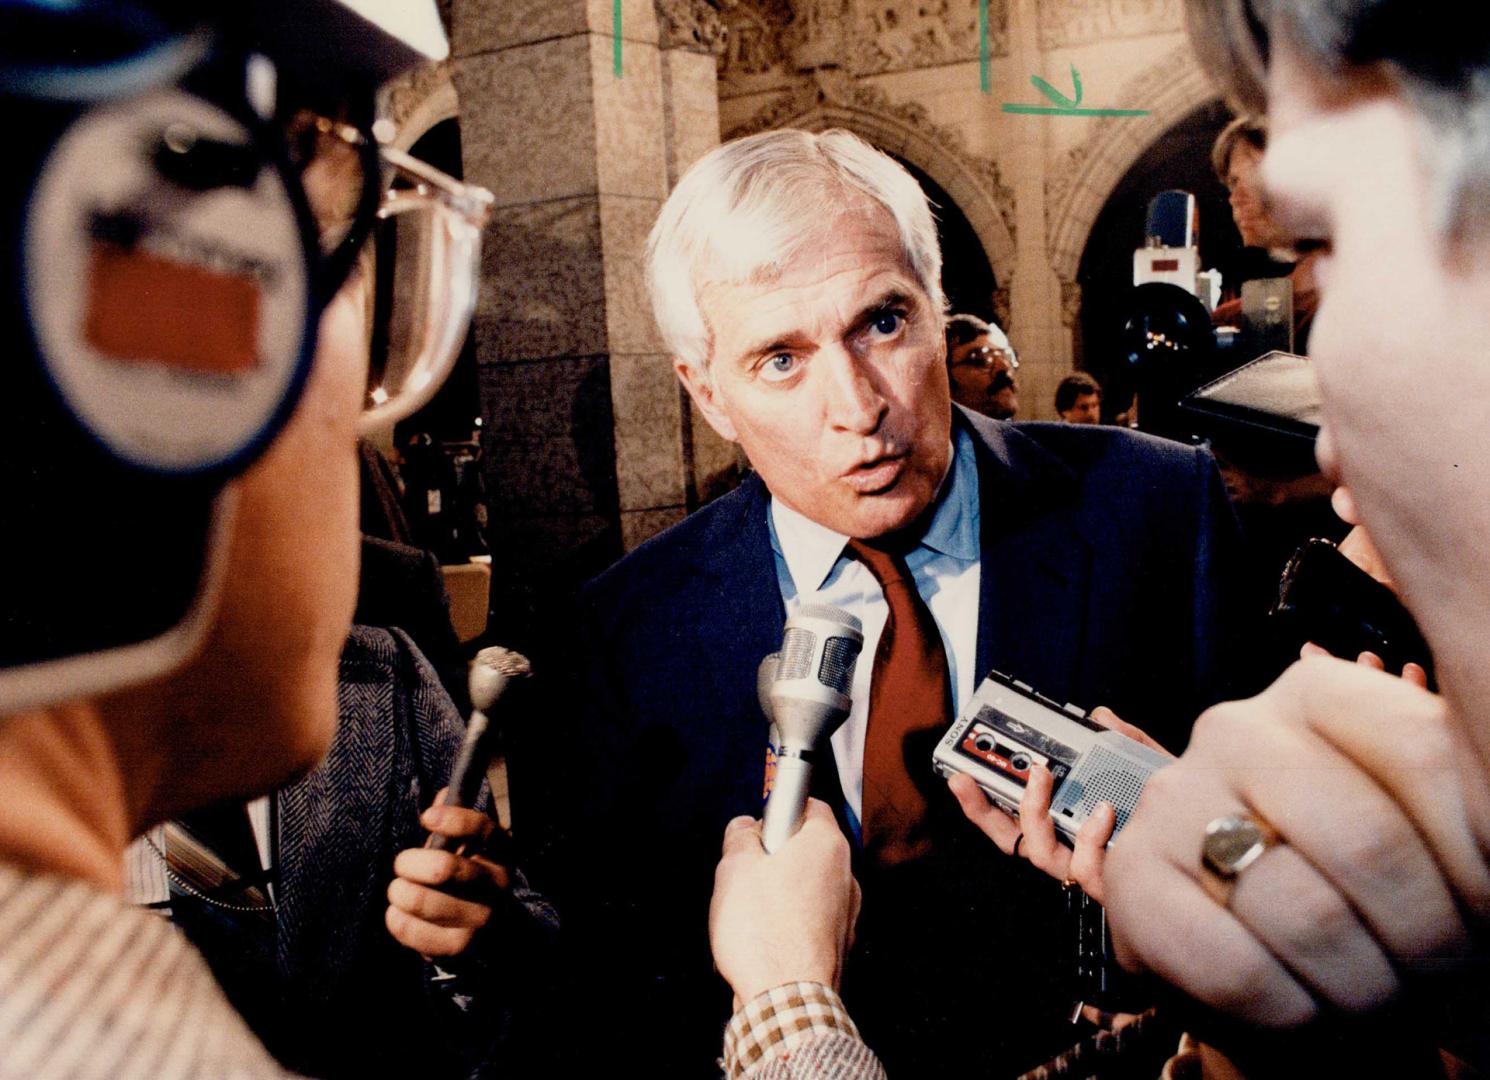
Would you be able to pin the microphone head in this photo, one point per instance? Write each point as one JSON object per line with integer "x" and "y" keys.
{"x": 809, "y": 695}
{"x": 491, "y": 672}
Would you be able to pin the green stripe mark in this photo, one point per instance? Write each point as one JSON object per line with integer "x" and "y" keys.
{"x": 983, "y": 82}
{"x": 616, "y": 35}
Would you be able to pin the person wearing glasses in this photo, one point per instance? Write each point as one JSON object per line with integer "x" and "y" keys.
{"x": 981, "y": 366}
{"x": 187, "y": 197}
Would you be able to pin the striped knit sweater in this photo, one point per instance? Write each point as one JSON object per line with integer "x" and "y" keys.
{"x": 93, "y": 987}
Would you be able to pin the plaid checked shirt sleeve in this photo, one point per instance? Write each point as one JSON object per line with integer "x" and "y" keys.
{"x": 797, "y": 1031}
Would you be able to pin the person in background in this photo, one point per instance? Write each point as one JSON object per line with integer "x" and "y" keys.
{"x": 981, "y": 366}
{"x": 1236, "y": 157}
{"x": 1078, "y": 399}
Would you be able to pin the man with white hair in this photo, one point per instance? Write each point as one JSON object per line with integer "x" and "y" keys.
{"x": 796, "y": 279}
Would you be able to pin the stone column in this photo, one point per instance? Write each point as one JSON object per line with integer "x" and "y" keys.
{"x": 692, "y": 37}
{"x": 583, "y": 431}
{"x": 1035, "y": 305}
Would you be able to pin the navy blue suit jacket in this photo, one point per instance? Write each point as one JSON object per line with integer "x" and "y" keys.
{"x": 1104, "y": 555}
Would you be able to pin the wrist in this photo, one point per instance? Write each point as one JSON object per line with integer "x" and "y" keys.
{"x": 778, "y": 1019}
{"x": 761, "y": 982}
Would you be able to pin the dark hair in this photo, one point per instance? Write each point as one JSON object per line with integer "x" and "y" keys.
{"x": 1077, "y": 384}
{"x": 1440, "y": 59}
{"x": 1244, "y": 129}
{"x": 964, "y": 328}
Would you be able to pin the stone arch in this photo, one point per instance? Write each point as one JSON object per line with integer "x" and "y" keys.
{"x": 421, "y": 102}
{"x": 972, "y": 188}
{"x": 1081, "y": 184}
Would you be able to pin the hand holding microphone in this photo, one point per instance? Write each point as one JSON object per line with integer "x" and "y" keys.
{"x": 808, "y": 696}
{"x": 494, "y": 674}
{"x": 442, "y": 894}
{"x": 776, "y": 919}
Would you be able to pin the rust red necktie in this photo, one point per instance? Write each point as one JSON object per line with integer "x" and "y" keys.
{"x": 910, "y": 695}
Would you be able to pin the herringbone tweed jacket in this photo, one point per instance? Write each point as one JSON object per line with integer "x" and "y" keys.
{"x": 347, "y": 999}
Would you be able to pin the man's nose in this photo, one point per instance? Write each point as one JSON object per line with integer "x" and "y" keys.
{"x": 853, "y": 398}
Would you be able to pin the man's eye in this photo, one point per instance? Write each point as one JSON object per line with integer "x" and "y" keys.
{"x": 779, "y": 367}
{"x": 887, "y": 322}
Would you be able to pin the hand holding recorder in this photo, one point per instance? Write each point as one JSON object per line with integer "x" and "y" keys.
{"x": 1070, "y": 778}
{"x": 1030, "y": 832}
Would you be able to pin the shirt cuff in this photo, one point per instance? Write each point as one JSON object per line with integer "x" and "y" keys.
{"x": 778, "y": 1020}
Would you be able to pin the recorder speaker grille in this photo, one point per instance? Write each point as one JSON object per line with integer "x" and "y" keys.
{"x": 796, "y": 653}
{"x": 1104, "y": 777}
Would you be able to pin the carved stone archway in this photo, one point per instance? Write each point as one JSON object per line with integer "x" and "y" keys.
{"x": 1081, "y": 183}
{"x": 973, "y": 184}
{"x": 419, "y": 101}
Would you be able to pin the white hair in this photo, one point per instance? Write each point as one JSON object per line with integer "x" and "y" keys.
{"x": 747, "y": 207}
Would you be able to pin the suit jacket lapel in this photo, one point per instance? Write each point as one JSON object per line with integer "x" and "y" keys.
{"x": 1036, "y": 565}
{"x": 742, "y": 622}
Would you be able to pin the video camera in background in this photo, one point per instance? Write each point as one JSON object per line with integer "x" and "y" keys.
{"x": 1193, "y": 382}
{"x": 1171, "y": 250}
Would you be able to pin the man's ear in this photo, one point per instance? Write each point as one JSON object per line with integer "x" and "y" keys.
{"x": 700, "y": 387}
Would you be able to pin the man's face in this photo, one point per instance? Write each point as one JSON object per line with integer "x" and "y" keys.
{"x": 1400, "y": 339}
{"x": 1086, "y": 409}
{"x": 982, "y": 376}
{"x": 1244, "y": 181}
{"x": 830, "y": 377}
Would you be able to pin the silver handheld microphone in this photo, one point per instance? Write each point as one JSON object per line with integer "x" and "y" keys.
{"x": 808, "y": 697}
{"x": 493, "y": 673}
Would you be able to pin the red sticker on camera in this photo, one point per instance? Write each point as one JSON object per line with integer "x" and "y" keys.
{"x": 145, "y": 309}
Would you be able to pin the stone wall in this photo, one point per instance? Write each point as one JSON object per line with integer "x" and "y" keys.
{"x": 589, "y": 443}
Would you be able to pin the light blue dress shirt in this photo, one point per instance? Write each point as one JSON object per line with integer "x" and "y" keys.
{"x": 811, "y": 567}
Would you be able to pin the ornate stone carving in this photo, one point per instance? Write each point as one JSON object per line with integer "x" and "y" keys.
{"x": 1001, "y": 308}
{"x": 869, "y": 37}
{"x": 1070, "y": 303}
{"x": 758, "y": 36}
{"x": 695, "y": 25}
{"x": 1064, "y": 23}
{"x": 1139, "y": 92}
{"x": 893, "y": 35}
{"x": 826, "y": 38}
{"x": 400, "y": 98}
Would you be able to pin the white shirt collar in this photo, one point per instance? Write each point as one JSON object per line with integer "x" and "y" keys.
{"x": 812, "y": 550}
